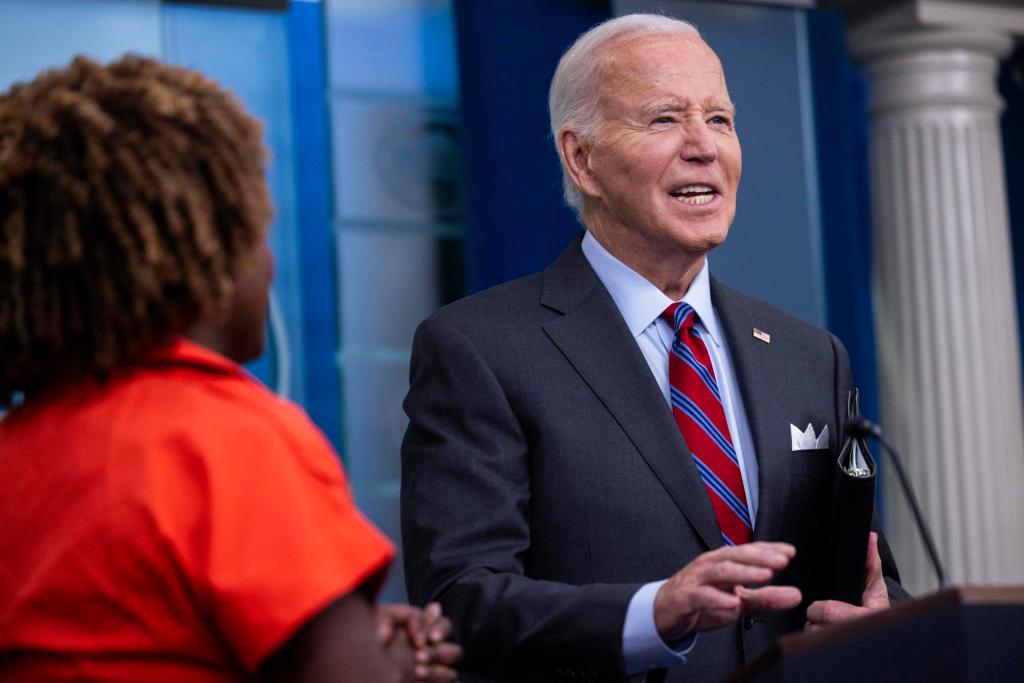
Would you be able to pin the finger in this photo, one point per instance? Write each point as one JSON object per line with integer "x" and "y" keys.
{"x": 769, "y": 598}
{"x": 876, "y": 593}
{"x": 825, "y": 612}
{"x": 432, "y": 612}
{"x": 385, "y": 631}
{"x": 787, "y": 549}
{"x": 714, "y": 608}
{"x": 397, "y": 613}
{"x": 386, "y": 619}
{"x": 436, "y": 674}
{"x": 718, "y": 609}
{"x": 447, "y": 654}
{"x": 440, "y": 630}
{"x": 416, "y": 629}
{"x": 728, "y": 573}
{"x": 706, "y": 597}
{"x": 874, "y": 560}
{"x": 772, "y": 555}
{"x": 393, "y": 618}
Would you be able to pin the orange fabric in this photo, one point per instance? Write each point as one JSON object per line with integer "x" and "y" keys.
{"x": 177, "y": 523}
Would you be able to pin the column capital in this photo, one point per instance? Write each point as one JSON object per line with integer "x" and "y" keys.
{"x": 921, "y": 54}
{"x": 985, "y": 16}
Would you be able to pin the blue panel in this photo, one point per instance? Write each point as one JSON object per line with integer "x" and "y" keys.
{"x": 313, "y": 211}
{"x": 403, "y": 269}
{"x": 40, "y": 34}
{"x": 247, "y": 52}
{"x": 515, "y": 220}
{"x": 398, "y": 48}
{"x": 396, "y": 167}
{"x": 839, "y": 105}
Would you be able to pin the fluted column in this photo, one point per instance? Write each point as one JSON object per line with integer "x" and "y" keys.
{"x": 946, "y": 316}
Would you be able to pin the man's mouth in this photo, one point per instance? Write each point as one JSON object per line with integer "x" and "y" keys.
{"x": 694, "y": 195}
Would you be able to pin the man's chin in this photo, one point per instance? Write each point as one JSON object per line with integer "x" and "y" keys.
{"x": 697, "y": 243}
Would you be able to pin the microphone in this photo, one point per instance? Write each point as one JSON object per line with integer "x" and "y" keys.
{"x": 860, "y": 428}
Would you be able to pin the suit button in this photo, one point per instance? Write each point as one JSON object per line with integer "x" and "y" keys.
{"x": 749, "y": 620}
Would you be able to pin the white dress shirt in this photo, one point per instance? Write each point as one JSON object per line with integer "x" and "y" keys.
{"x": 641, "y": 305}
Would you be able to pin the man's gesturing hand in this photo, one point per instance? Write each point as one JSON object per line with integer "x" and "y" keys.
{"x": 712, "y": 591}
{"x": 875, "y": 597}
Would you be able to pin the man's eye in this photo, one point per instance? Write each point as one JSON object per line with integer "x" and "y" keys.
{"x": 663, "y": 120}
{"x": 720, "y": 121}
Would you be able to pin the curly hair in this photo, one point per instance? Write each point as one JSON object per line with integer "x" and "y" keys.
{"x": 130, "y": 195}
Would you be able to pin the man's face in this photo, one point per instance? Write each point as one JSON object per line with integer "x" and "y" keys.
{"x": 664, "y": 168}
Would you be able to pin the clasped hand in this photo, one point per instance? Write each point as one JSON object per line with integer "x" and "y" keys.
{"x": 415, "y": 641}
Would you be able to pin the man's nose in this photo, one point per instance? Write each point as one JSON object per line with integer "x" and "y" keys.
{"x": 697, "y": 143}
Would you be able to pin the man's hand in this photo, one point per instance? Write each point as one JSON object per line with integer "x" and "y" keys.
{"x": 431, "y": 659}
{"x": 713, "y": 590}
{"x": 876, "y": 595}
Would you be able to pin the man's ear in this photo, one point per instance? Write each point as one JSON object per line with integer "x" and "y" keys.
{"x": 576, "y": 155}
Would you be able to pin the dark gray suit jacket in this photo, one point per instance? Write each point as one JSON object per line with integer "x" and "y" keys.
{"x": 544, "y": 479}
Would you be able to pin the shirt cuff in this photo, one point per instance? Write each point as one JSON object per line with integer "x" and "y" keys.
{"x": 642, "y": 647}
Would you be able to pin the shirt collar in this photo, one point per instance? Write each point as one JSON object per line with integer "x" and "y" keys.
{"x": 639, "y": 301}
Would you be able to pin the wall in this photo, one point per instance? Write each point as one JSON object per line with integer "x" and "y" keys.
{"x": 396, "y": 160}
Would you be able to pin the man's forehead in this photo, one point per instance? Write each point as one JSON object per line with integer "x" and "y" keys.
{"x": 641, "y": 53}
{"x": 648, "y": 70}
{"x": 643, "y": 61}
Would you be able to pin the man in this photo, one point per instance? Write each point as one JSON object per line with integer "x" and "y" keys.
{"x": 580, "y": 435}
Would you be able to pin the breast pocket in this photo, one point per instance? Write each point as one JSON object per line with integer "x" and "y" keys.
{"x": 816, "y": 462}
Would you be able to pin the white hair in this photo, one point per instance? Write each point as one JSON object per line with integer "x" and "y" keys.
{"x": 573, "y": 98}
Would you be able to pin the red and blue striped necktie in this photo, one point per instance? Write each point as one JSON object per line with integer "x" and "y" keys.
{"x": 697, "y": 408}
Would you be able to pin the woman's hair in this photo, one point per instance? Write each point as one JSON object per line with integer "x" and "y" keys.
{"x": 574, "y": 100}
{"x": 130, "y": 194}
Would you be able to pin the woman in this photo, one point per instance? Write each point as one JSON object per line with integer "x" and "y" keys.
{"x": 164, "y": 516}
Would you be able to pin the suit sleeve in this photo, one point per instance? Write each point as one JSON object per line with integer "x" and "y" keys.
{"x": 465, "y": 523}
{"x": 844, "y": 383}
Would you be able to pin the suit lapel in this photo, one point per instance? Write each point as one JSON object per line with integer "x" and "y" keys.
{"x": 759, "y": 372}
{"x": 594, "y": 338}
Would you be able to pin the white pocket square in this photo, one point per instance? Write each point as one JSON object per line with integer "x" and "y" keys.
{"x": 805, "y": 440}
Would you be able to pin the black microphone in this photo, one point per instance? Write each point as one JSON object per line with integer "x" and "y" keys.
{"x": 860, "y": 428}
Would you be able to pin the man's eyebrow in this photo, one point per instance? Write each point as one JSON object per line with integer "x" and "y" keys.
{"x": 669, "y": 106}
{"x": 715, "y": 107}
{"x": 663, "y": 107}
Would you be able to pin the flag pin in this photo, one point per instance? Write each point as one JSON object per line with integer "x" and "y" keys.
{"x": 763, "y": 336}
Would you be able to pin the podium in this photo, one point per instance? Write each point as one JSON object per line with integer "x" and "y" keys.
{"x": 971, "y": 633}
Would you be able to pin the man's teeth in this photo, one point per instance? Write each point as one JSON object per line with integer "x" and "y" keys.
{"x": 694, "y": 195}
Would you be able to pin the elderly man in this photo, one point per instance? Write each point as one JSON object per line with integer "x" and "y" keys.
{"x": 598, "y": 477}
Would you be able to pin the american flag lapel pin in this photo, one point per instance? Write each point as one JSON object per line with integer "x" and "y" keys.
{"x": 763, "y": 336}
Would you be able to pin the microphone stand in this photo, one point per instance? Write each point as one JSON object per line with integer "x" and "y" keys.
{"x": 861, "y": 428}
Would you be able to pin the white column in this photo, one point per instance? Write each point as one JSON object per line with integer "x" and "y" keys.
{"x": 945, "y": 309}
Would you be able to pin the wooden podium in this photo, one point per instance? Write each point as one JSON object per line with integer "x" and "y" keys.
{"x": 958, "y": 634}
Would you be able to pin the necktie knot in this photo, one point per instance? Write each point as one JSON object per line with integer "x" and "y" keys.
{"x": 680, "y": 316}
